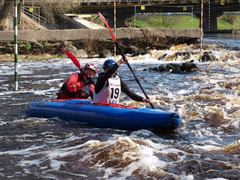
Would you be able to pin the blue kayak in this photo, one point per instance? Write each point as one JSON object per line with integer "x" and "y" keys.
{"x": 85, "y": 113}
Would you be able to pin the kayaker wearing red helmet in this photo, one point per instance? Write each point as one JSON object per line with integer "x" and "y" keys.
{"x": 79, "y": 85}
{"x": 109, "y": 85}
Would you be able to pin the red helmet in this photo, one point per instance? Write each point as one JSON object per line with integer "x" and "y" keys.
{"x": 91, "y": 67}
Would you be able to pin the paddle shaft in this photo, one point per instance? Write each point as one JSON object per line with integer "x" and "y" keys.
{"x": 114, "y": 39}
{"x": 134, "y": 75}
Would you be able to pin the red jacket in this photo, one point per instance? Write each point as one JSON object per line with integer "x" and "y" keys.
{"x": 76, "y": 86}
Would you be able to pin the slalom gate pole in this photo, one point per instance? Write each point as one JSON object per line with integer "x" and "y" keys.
{"x": 15, "y": 45}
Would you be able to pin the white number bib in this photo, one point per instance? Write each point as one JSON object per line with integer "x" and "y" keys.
{"x": 110, "y": 92}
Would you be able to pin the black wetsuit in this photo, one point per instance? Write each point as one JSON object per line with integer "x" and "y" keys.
{"x": 103, "y": 77}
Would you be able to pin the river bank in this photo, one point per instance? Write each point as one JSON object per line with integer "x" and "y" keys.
{"x": 83, "y": 48}
{"x": 92, "y": 43}
{"x": 213, "y": 50}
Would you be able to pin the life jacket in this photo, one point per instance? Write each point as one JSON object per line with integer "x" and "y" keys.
{"x": 110, "y": 93}
{"x": 84, "y": 93}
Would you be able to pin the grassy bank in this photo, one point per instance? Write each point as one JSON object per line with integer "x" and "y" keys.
{"x": 156, "y": 21}
{"x": 180, "y": 22}
{"x": 228, "y": 22}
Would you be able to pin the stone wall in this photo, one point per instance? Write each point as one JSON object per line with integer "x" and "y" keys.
{"x": 134, "y": 41}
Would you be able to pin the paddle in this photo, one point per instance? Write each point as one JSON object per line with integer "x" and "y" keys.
{"x": 73, "y": 58}
{"x": 114, "y": 39}
{"x": 75, "y": 62}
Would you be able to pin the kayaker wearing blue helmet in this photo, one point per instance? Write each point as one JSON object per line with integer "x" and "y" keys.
{"x": 109, "y": 85}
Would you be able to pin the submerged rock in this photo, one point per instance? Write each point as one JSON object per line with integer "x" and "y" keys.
{"x": 215, "y": 119}
{"x": 105, "y": 53}
{"x": 82, "y": 53}
{"x": 185, "y": 67}
{"x": 235, "y": 112}
{"x": 233, "y": 148}
{"x": 208, "y": 56}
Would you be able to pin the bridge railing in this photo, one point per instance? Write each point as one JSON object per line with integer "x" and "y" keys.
{"x": 221, "y": 2}
{"x": 40, "y": 19}
{"x": 109, "y": 1}
{"x": 37, "y": 18}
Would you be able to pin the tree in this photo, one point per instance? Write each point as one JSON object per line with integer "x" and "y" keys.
{"x": 230, "y": 19}
{"x": 5, "y": 9}
{"x": 51, "y": 10}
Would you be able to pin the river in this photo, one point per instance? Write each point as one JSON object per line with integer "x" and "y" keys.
{"x": 226, "y": 40}
{"x": 206, "y": 146}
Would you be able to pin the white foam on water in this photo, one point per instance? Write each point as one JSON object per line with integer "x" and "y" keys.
{"x": 207, "y": 147}
{"x": 143, "y": 149}
{"x": 143, "y": 132}
{"x": 21, "y": 151}
{"x": 51, "y": 155}
{"x": 23, "y": 136}
{"x": 147, "y": 160}
{"x": 13, "y": 92}
{"x": 236, "y": 123}
{"x": 1, "y": 174}
{"x": 216, "y": 178}
{"x": 142, "y": 157}
{"x": 43, "y": 92}
{"x": 184, "y": 92}
{"x": 55, "y": 164}
{"x": 186, "y": 177}
{"x": 2, "y": 123}
{"x": 53, "y": 80}
{"x": 30, "y": 162}
{"x": 50, "y": 81}
{"x": 108, "y": 173}
{"x": 72, "y": 138}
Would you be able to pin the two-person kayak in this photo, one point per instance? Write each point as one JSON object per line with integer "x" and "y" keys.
{"x": 85, "y": 113}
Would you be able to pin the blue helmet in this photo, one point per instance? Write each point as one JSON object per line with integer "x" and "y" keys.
{"x": 109, "y": 63}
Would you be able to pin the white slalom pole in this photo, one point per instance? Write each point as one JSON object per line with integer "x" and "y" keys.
{"x": 209, "y": 16}
{"x": 15, "y": 45}
{"x": 115, "y": 24}
{"x": 201, "y": 43}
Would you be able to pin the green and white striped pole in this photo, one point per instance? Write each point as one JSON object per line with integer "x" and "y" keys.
{"x": 201, "y": 28}
{"x": 15, "y": 45}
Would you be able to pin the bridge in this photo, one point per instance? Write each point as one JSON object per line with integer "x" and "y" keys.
{"x": 129, "y": 8}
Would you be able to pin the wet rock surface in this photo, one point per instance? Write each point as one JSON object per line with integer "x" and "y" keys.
{"x": 93, "y": 48}
{"x": 186, "y": 67}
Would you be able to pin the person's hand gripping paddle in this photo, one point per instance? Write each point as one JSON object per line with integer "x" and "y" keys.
{"x": 114, "y": 39}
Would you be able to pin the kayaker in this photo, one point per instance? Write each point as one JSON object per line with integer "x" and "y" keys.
{"x": 109, "y": 85}
{"x": 79, "y": 85}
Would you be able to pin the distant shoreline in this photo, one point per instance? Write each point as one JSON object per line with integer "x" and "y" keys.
{"x": 92, "y": 43}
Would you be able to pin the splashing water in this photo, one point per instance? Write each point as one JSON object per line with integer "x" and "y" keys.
{"x": 205, "y": 147}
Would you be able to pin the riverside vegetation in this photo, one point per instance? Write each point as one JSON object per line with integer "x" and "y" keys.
{"x": 225, "y": 22}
